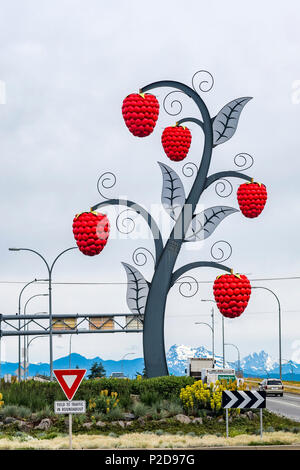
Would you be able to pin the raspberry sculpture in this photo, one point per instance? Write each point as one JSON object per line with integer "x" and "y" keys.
{"x": 91, "y": 231}
{"x": 176, "y": 142}
{"x": 232, "y": 294}
{"x": 140, "y": 113}
{"x": 252, "y": 198}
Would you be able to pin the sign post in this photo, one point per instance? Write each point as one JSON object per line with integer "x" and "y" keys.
{"x": 243, "y": 399}
{"x": 69, "y": 380}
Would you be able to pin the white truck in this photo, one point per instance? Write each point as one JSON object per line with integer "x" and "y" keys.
{"x": 196, "y": 364}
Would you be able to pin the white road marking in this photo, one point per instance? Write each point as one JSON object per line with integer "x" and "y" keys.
{"x": 282, "y": 403}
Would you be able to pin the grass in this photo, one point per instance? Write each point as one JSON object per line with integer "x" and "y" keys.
{"x": 149, "y": 441}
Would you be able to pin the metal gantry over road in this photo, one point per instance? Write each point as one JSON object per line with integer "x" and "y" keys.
{"x": 67, "y": 324}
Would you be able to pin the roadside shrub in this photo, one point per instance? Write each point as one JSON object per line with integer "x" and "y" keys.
{"x": 139, "y": 409}
{"x": 200, "y": 395}
{"x": 10, "y": 410}
{"x": 1, "y": 400}
{"x": 104, "y": 402}
{"x": 149, "y": 397}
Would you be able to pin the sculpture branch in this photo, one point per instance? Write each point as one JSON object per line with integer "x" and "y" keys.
{"x": 158, "y": 242}
{"x": 191, "y": 119}
{"x": 223, "y": 174}
{"x": 197, "y": 264}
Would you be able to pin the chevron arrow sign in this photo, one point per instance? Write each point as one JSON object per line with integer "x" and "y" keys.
{"x": 243, "y": 399}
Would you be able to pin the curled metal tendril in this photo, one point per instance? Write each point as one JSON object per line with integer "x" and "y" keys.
{"x": 106, "y": 181}
{"x": 223, "y": 188}
{"x": 243, "y": 161}
{"x": 206, "y": 81}
{"x": 171, "y": 104}
{"x": 189, "y": 169}
{"x": 125, "y": 225}
{"x": 191, "y": 286}
{"x": 140, "y": 258}
{"x": 218, "y": 250}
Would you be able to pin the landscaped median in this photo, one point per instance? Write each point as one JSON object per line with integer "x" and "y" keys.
{"x": 145, "y": 413}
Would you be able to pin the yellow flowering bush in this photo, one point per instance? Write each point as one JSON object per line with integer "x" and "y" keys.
{"x": 199, "y": 395}
{"x": 1, "y": 400}
{"x": 104, "y": 402}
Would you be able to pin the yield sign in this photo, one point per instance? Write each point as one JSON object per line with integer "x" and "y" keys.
{"x": 69, "y": 380}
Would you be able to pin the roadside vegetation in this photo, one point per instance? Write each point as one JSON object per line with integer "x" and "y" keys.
{"x": 175, "y": 406}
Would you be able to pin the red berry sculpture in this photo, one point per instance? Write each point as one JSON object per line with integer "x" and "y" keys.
{"x": 232, "y": 293}
{"x": 176, "y": 142}
{"x": 252, "y": 198}
{"x": 140, "y": 113}
{"x": 91, "y": 231}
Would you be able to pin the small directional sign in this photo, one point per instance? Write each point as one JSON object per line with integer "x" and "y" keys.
{"x": 69, "y": 380}
{"x": 243, "y": 399}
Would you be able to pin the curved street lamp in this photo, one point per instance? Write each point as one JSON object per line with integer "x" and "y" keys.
{"x": 223, "y": 335}
{"x": 213, "y": 336}
{"x": 19, "y": 323}
{"x": 127, "y": 354}
{"x": 25, "y": 340}
{"x": 238, "y": 351}
{"x": 279, "y": 324}
{"x": 49, "y": 269}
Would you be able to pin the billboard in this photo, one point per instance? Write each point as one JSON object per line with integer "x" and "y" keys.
{"x": 101, "y": 323}
{"x": 64, "y": 323}
{"x": 134, "y": 322}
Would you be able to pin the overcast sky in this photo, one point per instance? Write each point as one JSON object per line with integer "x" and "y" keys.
{"x": 67, "y": 66}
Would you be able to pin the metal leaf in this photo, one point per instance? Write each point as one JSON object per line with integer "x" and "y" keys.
{"x": 137, "y": 290}
{"x": 226, "y": 121}
{"x": 173, "y": 194}
{"x": 205, "y": 223}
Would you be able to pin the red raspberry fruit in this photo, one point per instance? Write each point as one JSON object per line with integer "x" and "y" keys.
{"x": 252, "y": 198}
{"x": 140, "y": 113}
{"x": 91, "y": 231}
{"x": 232, "y": 294}
{"x": 176, "y": 142}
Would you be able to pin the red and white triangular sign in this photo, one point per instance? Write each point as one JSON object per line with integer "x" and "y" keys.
{"x": 69, "y": 380}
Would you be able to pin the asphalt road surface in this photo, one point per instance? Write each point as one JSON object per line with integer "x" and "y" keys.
{"x": 288, "y": 405}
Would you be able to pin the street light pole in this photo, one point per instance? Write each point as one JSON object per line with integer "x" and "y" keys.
{"x": 32, "y": 339}
{"x": 279, "y": 325}
{"x": 213, "y": 322}
{"x": 238, "y": 351}
{"x": 223, "y": 341}
{"x": 127, "y": 354}
{"x": 71, "y": 336}
{"x": 49, "y": 269}
{"x": 25, "y": 341}
{"x": 19, "y": 325}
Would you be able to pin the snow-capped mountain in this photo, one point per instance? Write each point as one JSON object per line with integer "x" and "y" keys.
{"x": 178, "y": 355}
{"x": 256, "y": 364}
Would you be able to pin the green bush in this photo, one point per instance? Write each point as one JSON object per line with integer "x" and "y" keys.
{"x": 139, "y": 409}
{"x": 38, "y": 395}
{"x": 16, "y": 411}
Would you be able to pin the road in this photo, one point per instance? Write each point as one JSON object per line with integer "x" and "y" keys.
{"x": 288, "y": 405}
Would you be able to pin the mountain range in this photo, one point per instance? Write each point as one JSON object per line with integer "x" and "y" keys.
{"x": 256, "y": 364}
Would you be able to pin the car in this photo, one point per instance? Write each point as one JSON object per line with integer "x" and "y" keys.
{"x": 271, "y": 387}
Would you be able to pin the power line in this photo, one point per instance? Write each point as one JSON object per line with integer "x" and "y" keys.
{"x": 286, "y": 278}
